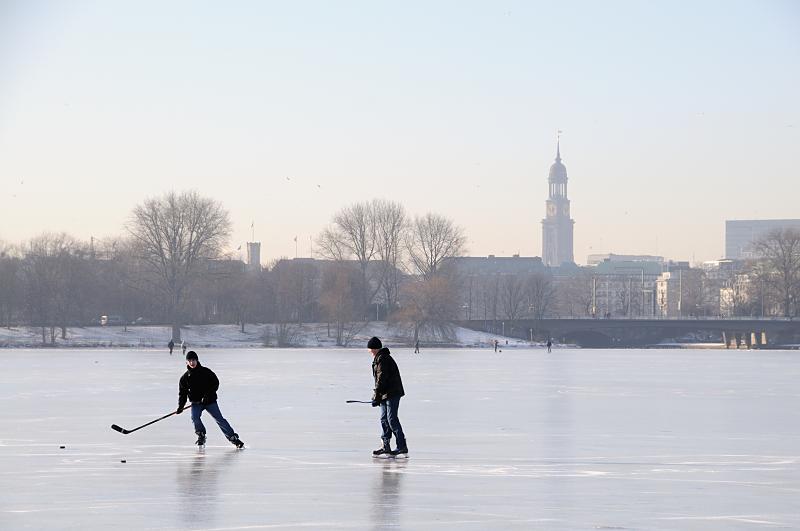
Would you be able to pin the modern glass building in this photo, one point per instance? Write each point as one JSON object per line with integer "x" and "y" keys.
{"x": 741, "y": 233}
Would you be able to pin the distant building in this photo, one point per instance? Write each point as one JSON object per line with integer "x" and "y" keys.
{"x": 625, "y": 288}
{"x": 594, "y": 259}
{"x": 482, "y": 280}
{"x": 740, "y": 234}
{"x": 736, "y": 297}
{"x": 254, "y": 257}
{"x": 683, "y": 292}
{"x": 496, "y": 265}
{"x": 557, "y": 226}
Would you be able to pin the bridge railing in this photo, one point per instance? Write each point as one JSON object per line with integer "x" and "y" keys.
{"x": 658, "y": 318}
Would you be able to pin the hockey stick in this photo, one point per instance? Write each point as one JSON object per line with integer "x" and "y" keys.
{"x": 123, "y": 431}
{"x": 358, "y": 401}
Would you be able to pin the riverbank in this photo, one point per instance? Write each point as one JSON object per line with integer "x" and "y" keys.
{"x": 308, "y": 335}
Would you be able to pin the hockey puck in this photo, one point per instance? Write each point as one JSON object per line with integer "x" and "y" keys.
{"x": 62, "y": 447}
{"x": 122, "y": 461}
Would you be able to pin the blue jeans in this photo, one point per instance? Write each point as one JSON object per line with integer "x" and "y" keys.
{"x": 213, "y": 410}
{"x": 390, "y": 423}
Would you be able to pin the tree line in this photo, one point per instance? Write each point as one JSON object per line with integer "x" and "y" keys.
{"x": 375, "y": 262}
{"x": 171, "y": 266}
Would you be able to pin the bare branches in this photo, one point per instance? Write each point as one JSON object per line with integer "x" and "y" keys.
{"x": 174, "y": 233}
{"x": 432, "y": 240}
{"x": 780, "y": 252}
{"x": 365, "y": 232}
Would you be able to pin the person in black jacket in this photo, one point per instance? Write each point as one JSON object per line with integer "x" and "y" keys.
{"x": 199, "y": 384}
{"x": 387, "y": 393}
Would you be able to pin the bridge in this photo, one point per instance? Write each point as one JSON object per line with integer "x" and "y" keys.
{"x": 607, "y": 333}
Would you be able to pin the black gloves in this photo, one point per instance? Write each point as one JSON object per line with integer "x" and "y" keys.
{"x": 179, "y": 410}
{"x": 375, "y": 402}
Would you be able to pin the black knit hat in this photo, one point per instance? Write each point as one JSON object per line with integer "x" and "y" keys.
{"x": 374, "y": 342}
{"x": 191, "y": 355}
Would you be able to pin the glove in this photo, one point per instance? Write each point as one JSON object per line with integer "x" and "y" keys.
{"x": 179, "y": 410}
{"x": 375, "y": 402}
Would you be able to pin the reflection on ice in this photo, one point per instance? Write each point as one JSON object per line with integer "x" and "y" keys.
{"x": 387, "y": 499}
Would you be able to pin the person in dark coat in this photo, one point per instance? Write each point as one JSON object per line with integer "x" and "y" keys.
{"x": 171, "y": 346}
{"x": 199, "y": 385}
{"x": 387, "y": 393}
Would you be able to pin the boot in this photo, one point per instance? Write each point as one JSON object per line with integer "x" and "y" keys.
{"x": 385, "y": 449}
{"x": 201, "y": 439}
{"x": 236, "y": 441}
{"x": 403, "y": 450}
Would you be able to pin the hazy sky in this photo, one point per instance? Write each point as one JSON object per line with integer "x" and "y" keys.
{"x": 676, "y": 116}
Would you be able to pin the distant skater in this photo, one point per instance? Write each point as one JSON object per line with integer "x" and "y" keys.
{"x": 387, "y": 394}
{"x": 199, "y": 384}
{"x": 416, "y": 347}
{"x": 549, "y": 346}
{"x": 495, "y": 345}
{"x": 183, "y": 347}
{"x": 171, "y": 346}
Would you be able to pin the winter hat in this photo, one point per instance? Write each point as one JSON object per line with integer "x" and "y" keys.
{"x": 374, "y": 342}
{"x": 191, "y": 355}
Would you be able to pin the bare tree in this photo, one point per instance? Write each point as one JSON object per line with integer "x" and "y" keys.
{"x": 574, "y": 294}
{"x": 353, "y": 235}
{"x": 10, "y": 284}
{"x": 736, "y": 296}
{"x": 296, "y": 290}
{"x": 429, "y": 305}
{"x": 432, "y": 240}
{"x": 338, "y": 301}
{"x": 512, "y": 297}
{"x": 541, "y": 294}
{"x": 489, "y": 296}
{"x": 390, "y": 229}
{"x": 46, "y": 292}
{"x": 174, "y": 234}
{"x": 780, "y": 251}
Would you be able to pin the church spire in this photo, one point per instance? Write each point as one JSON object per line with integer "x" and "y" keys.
{"x": 558, "y": 146}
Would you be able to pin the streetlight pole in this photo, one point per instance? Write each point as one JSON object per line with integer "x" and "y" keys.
{"x": 641, "y": 307}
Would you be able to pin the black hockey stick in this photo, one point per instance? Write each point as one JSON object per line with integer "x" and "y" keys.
{"x": 123, "y": 431}
{"x": 358, "y": 401}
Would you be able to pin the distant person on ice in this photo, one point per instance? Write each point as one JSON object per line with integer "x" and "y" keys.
{"x": 200, "y": 385}
{"x": 387, "y": 393}
{"x": 171, "y": 346}
{"x": 183, "y": 347}
{"x": 416, "y": 347}
{"x": 549, "y": 345}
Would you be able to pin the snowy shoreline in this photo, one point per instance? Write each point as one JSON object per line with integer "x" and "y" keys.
{"x": 308, "y": 335}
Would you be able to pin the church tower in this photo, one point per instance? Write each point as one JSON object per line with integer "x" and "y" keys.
{"x": 557, "y": 226}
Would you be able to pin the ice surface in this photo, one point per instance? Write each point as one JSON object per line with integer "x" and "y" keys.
{"x": 577, "y": 439}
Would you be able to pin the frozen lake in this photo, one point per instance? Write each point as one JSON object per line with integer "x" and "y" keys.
{"x": 576, "y": 439}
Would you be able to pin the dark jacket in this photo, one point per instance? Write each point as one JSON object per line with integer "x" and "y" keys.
{"x": 199, "y": 384}
{"x": 388, "y": 383}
